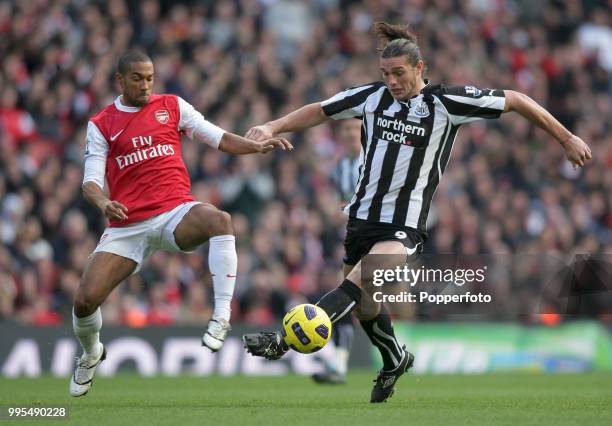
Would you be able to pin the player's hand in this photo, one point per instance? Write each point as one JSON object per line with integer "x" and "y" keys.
{"x": 114, "y": 210}
{"x": 577, "y": 152}
{"x": 259, "y": 133}
{"x": 270, "y": 144}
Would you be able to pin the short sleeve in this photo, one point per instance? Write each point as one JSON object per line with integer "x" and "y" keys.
{"x": 197, "y": 127}
{"x": 350, "y": 102}
{"x": 468, "y": 103}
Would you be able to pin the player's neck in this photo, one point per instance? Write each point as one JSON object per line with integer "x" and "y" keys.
{"x": 420, "y": 84}
{"x": 123, "y": 101}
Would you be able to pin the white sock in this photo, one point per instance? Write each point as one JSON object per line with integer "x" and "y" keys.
{"x": 223, "y": 262}
{"x": 342, "y": 356}
{"x": 87, "y": 330}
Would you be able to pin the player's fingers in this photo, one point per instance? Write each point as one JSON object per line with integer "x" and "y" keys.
{"x": 278, "y": 142}
{"x": 249, "y": 133}
{"x": 117, "y": 215}
{"x": 266, "y": 147}
{"x": 119, "y": 211}
{"x": 286, "y": 144}
{"x": 120, "y": 206}
{"x": 574, "y": 162}
{"x": 274, "y": 143}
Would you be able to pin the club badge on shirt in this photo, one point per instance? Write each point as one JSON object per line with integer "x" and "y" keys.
{"x": 421, "y": 110}
{"x": 162, "y": 116}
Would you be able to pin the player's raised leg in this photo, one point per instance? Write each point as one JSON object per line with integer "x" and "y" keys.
{"x": 340, "y": 302}
{"x": 102, "y": 274}
{"x": 202, "y": 223}
{"x": 376, "y": 320}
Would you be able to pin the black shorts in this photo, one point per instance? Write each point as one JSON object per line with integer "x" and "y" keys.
{"x": 361, "y": 236}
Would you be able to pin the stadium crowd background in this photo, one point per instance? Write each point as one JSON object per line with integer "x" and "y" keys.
{"x": 241, "y": 63}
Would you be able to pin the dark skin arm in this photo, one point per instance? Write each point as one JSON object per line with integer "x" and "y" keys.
{"x": 113, "y": 210}
{"x": 576, "y": 151}
{"x": 230, "y": 143}
{"x": 237, "y": 145}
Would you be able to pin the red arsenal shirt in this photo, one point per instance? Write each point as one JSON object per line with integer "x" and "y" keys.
{"x": 141, "y": 152}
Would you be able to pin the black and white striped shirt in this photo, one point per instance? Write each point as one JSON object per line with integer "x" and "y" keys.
{"x": 407, "y": 145}
{"x": 346, "y": 175}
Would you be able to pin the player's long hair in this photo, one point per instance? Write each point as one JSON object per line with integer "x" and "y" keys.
{"x": 396, "y": 40}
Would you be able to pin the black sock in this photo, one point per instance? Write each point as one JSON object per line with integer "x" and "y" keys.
{"x": 340, "y": 301}
{"x": 380, "y": 331}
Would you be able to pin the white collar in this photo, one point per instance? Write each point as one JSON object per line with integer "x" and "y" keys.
{"x": 124, "y": 108}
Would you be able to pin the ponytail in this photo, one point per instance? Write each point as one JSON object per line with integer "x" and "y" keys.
{"x": 396, "y": 40}
{"x": 388, "y": 32}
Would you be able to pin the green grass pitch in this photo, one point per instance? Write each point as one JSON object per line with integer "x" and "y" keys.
{"x": 518, "y": 400}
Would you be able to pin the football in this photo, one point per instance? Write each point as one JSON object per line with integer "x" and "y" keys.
{"x": 306, "y": 328}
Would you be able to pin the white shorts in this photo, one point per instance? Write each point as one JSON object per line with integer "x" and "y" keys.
{"x": 139, "y": 240}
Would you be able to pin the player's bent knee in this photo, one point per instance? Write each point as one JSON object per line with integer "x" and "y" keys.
{"x": 355, "y": 275}
{"x": 84, "y": 304}
{"x": 367, "y": 311}
{"x": 222, "y": 223}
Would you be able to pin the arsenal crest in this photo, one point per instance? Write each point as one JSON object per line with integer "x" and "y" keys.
{"x": 162, "y": 116}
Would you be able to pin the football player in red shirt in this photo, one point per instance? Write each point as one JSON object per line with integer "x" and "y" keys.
{"x": 135, "y": 145}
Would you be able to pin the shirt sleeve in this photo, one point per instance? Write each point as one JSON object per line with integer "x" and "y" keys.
{"x": 468, "y": 103}
{"x": 196, "y": 127}
{"x": 350, "y": 102}
{"x": 96, "y": 152}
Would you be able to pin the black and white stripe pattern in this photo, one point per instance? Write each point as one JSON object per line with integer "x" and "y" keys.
{"x": 388, "y": 344}
{"x": 335, "y": 316}
{"x": 407, "y": 145}
{"x": 346, "y": 175}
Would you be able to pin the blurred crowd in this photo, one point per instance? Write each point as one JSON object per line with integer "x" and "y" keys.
{"x": 244, "y": 62}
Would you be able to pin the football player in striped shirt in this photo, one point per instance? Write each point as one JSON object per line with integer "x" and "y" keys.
{"x": 409, "y": 126}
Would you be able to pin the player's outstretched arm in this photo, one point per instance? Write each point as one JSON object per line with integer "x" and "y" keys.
{"x": 113, "y": 210}
{"x": 576, "y": 151}
{"x": 308, "y": 116}
{"x": 234, "y": 144}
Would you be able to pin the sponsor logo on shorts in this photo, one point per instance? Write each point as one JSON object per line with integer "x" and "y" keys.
{"x": 401, "y": 235}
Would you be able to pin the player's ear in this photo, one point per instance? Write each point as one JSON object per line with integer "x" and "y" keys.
{"x": 119, "y": 79}
{"x": 420, "y": 66}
